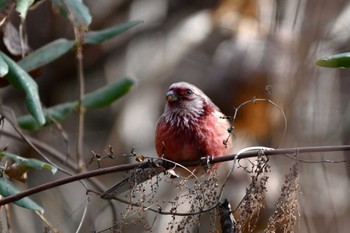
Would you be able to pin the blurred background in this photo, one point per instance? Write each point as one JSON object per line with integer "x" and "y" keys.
{"x": 234, "y": 50}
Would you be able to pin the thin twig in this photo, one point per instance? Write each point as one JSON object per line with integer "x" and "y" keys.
{"x": 83, "y": 215}
{"x": 254, "y": 100}
{"x": 8, "y": 114}
{"x": 44, "y": 147}
{"x": 49, "y": 225}
{"x": 56, "y": 154}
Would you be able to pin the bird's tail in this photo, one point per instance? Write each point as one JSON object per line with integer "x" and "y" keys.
{"x": 136, "y": 177}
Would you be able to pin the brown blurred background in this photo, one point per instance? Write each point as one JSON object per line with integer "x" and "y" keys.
{"x": 234, "y": 50}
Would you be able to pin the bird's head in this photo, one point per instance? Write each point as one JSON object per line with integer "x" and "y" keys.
{"x": 185, "y": 98}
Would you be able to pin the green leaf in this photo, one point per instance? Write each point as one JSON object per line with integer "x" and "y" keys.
{"x": 97, "y": 99}
{"x": 57, "y": 48}
{"x": 60, "y": 7}
{"x": 4, "y": 68}
{"x": 75, "y": 10}
{"x": 22, "y": 7}
{"x": 107, "y": 94}
{"x": 96, "y": 37}
{"x": 22, "y": 80}
{"x": 54, "y": 114}
{"x": 46, "y": 54}
{"x": 28, "y": 163}
{"x": 7, "y": 188}
{"x": 341, "y": 60}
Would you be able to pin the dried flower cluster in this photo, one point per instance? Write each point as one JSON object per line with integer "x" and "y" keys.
{"x": 286, "y": 214}
{"x": 253, "y": 201}
{"x": 200, "y": 196}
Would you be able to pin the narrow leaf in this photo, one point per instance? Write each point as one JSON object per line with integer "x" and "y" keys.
{"x": 75, "y": 10}
{"x": 54, "y": 114}
{"x": 60, "y": 7}
{"x": 46, "y": 54}
{"x": 12, "y": 40}
{"x": 7, "y": 188}
{"x": 22, "y": 80}
{"x": 96, "y": 37}
{"x": 79, "y": 13}
{"x": 4, "y": 68}
{"x": 341, "y": 60}
{"x": 107, "y": 94}
{"x": 28, "y": 163}
{"x": 22, "y": 7}
{"x": 97, "y": 99}
{"x": 57, "y": 48}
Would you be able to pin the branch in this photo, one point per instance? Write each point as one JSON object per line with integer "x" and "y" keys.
{"x": 285, "y": 151}
{"x": 79, "y": 35}
{"x": 159, "y": 162}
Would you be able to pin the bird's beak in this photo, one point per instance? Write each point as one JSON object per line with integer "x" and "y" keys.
{"x": 171, "y": 96}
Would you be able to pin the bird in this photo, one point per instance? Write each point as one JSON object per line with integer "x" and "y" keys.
{"x": 191, "y": 127}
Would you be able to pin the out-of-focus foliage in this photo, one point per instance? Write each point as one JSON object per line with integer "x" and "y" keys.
{"x": 75, "y": 11}
{"x": 18, "y": 171}
{"x": 46, "y": 54}
{"x": 341, "y": 60}
{"x": 100, "y": 98}
{"x": 22, "y": 7}
{"x": 22, "y": 80}
{"x": 78, "y": 14}
{"x": 28, "y": 163}
{"x": 108, "y": 94}
{"x": 96, "y": 37}
{"x": 53, "y": 114}
{"x": 16, "y": 61}
{"x": 7, "y": 188}
{"x": 4, "y": 68}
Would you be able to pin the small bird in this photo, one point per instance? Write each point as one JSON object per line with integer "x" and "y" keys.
{"x": 191, "y": 127}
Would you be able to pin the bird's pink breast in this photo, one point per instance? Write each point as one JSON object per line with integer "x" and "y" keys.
{"x": 201, "y": 137}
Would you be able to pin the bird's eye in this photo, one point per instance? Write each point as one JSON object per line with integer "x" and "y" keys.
{"x": 188, "y": 91}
